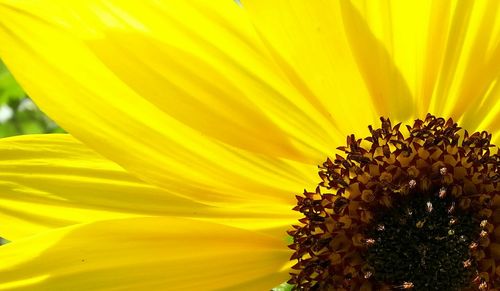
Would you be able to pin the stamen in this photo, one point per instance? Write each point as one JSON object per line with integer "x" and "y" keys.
{"x": 405, "y": 285}
{"x": 442, "y": 192}
{"x": 429, "y": 206}
{"x": 483, "y": 234}
{"x": 451, "y": 209}
{"x": 477, "y": 279}
{"x": 467, "y": 263}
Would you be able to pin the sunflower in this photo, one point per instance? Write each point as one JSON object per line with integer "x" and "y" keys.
{"x": 193, "y": 124}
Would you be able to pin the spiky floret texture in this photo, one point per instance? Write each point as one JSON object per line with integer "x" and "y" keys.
{"x": 431, "y": 161}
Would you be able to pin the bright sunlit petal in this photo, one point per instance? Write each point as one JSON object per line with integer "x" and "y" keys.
{"x": 77, "y": 70}
{"x": 449, "y": 53}
{"x": 143, "y": 254}
{"x": 50, "y": 181}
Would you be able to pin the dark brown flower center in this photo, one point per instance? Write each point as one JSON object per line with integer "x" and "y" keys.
{"x": 403, "y": 209}
{"x": 424, "y": 241}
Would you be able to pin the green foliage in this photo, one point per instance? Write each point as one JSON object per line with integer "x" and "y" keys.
{"x": 18, "y": 114}
{"x": 9, "y": 89}
{"x": 283, "y": 287}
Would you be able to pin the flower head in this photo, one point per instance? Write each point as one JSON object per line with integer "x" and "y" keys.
{"x": 193, "y": 122}
{"x": 412, "y": 210}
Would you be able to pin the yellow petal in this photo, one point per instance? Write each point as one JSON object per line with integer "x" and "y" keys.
{"x": 50, "y": 181}
{"x": 475, "y": 91}
{"x": 411, "y": 44}
{"x": 179, "y": 93}
{"x": 449, "y": 53}
{"x": 148, "y": 253}
{"x": 329, "y": 52}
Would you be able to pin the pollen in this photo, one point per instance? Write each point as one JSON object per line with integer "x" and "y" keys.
{"x": 414, "y": 208}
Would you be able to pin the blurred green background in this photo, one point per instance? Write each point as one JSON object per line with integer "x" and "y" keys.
{"x": 18, "y": 114}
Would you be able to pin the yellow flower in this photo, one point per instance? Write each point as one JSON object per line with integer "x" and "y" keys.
{"x": 205, "y": 118}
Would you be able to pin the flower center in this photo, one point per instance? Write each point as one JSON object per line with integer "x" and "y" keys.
{"x": 416, "y": 209}
{"x": 424, "y": 242}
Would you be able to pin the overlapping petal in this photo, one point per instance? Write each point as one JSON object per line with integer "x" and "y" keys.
{"x": 328, "y": 51}
{"x": 414, "y": 57}
{"x": 447, "y": 51}
{"x": 188, "y": 103}
{"x": 51, "y": 181}
{"x": 177, "y": 93}
{"x": 144, "y": 253}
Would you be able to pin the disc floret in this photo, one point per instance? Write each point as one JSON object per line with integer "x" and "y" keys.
{"x": 402, "y": 209}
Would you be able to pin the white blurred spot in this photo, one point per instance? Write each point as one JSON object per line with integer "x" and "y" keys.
{"x": 27, "y": 105}
{"x": 6, "y": 113}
